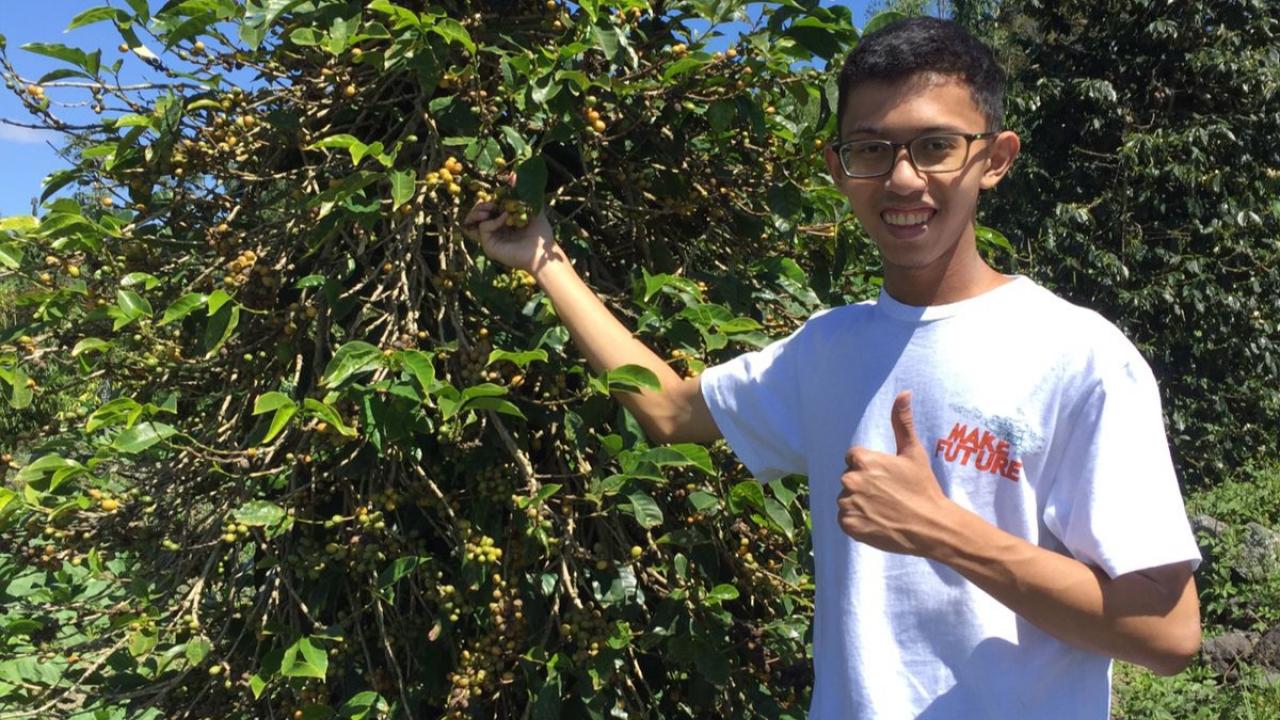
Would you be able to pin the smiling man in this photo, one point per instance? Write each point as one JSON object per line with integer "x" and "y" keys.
{"x": 995, "y": 513}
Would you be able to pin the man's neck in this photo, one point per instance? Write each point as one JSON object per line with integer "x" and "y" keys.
{"x": 949, "y": 280}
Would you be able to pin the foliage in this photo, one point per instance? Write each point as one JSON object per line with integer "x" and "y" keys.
{"x": 316, "y": 458}
{"x": 1226, "y": 598}
{"x": 1194, "y": 695}
{"x": 1228, "y": 602}
{"x": 1147, "y": 190}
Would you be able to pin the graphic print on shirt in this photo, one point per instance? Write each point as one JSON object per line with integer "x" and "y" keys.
{"x": 992, "y": 444}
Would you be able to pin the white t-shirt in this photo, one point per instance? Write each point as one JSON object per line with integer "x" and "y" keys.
{"x": 1038, "y": 415}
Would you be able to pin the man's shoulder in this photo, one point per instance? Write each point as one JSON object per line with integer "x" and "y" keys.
{"x": 836, "y": 319}
{"x": 1078, "y": 331}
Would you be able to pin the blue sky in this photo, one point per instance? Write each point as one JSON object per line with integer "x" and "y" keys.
{"x": 26, "y": 156}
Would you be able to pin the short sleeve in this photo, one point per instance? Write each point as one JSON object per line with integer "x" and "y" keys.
{"x": 1115, "y": 501}
{"x": 755, "y": 401}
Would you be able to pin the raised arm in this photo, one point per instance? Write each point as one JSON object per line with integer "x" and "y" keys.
{"x": 677, "y": 413}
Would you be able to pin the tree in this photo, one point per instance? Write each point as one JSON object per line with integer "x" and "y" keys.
{"x": 312, "y": 456}
{"x": 1147, "y": 190}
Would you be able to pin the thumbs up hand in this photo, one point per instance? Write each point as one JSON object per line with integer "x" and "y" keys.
{"x": 893, "y": 502}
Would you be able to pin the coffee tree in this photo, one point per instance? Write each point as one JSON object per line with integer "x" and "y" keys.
{"x": 281, "y": 444}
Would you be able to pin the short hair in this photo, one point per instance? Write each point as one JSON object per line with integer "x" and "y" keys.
{"x": 912, "y": 46}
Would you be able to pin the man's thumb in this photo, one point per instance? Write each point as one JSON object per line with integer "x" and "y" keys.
{"x": 904, "y": 424}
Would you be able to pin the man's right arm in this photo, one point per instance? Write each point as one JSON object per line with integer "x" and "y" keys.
{"x": 676, "y": 413}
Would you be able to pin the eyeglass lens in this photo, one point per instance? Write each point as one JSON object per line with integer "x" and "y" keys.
{"x": 930, "y": 153}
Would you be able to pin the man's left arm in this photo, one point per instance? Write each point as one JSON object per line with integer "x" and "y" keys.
{"x": 1149, "y": 617}
{"x": 893, "y": 502}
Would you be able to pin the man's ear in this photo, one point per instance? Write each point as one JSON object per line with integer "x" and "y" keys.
{"x": 833, "y": 165}
{"x": 1004, "y": 149}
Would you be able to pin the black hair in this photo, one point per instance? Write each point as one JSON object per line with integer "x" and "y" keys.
{"x": 912, "y": 46}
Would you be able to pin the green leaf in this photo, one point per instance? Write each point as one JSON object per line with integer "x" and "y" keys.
{"x": 680, "y": 455}
{"x": 483, "y": 390}
{"x": 539, "y": 497}
{"x": 303, "y": 659}
{"x": 75, "y": 56}
{"x": 671, "y": 284}
{"x": 505, "y": 407}
{"x": 881, "y": 19}
{"x": 679, "y": 67}
{"x": 779, "y": 515}
{"x": 403, "y": 16}
{"x": 142, "y": 436}
{"x": 197, "y": 649}
{"x": 326, "y": 413}
{"x": 273, "y": 400}
{"x": 531, "y": 182}
{"x": 993, "y": 238}
{"x": 350, "y": 143}
{"x": 221, "y": 324}
{"x": 520, "y": 359}
{"x": 183, "y": 307}
{"x": 632, "y": 378}
{"x": 419, "y": 365}
{"x": 304, "y": 36}
{"x": 19, "y": 223}
{"x": 453, "y": 31}
{"x": 118, "y": 411}
{"x": 147, "y": 280}
{"x": 361, "y": 705}
{"x": 260, "y": 513}
{"x": 645, "y": 509}
{"x": 352, "y": 358}
{"x": 21, "y": 395}
{"x": 141, "y": 644}
{"x": 747, "y": 493}
{"x": 217, "y": 300}
{"x": 398, "y": 569}
{"x": 133, "y": 304}
{"x": 816, "y": 36}
{"x": 90, "y": 344}
{"x": 11, "y": 255}
{"x": 703, "y": 502}
{"x": 257, "y": 684}
{"x": 278, "y": 422}
{"x": 258, "y": 19}
{"x": 401, "y": 187}
{"x": 723, "y": 592}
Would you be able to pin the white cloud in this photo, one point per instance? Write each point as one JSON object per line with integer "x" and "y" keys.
{"x": 26, "y": 136}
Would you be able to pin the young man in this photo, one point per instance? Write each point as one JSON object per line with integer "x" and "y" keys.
{"x": 995, "y": 513}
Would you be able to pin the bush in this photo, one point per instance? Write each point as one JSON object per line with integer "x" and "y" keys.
{"x": 317, "y": 457}
{"x": 1147, "y": 191}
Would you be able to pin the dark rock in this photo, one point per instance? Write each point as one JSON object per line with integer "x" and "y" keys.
{"x": 1209, "y": 525}
{"x": 1267, "y": 651}
{"x": 1208, "y": 530}
{"x": 1259, "y": 553}
{"x": 1225, "y": 653}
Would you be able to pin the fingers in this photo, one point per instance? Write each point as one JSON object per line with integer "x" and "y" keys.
{"x": 481, "y": 219}
{"x": 481, "y": 211}
{"x": 855, "y": 458}
{"x": 494, "y": 224}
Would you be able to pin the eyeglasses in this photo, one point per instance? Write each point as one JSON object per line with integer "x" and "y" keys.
{"x": 940, "y": 153}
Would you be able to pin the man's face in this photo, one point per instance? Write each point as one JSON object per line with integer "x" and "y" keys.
{"x": 918, "y": 218}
